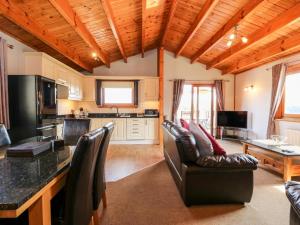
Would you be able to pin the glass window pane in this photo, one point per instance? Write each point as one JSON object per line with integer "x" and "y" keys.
{"x": 118, "y": 96}
{"x": 184, "y": 110}
{"x": 292, "y": 92}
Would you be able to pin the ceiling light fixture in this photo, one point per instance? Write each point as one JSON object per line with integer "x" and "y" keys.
{"x": 95, "y": 56}
{"x": 235, "y": 36}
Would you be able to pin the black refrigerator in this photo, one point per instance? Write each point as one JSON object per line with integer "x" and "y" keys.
{"x": 32, "y": 107}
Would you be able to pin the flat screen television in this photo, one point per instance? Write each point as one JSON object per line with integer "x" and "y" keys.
{"x": 236, "y": 119}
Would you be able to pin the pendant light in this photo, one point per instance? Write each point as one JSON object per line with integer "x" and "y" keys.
{"x": 234, "y": 37}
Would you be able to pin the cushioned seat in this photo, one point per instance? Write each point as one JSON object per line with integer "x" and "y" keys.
{"x": 73, "y": 129}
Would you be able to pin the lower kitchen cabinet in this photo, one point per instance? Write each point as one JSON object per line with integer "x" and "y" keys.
{"x": 130, "y": 129}
{"x": 119, "y": 133}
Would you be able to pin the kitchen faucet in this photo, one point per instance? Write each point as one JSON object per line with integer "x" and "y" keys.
{"x": 115, "y": 107}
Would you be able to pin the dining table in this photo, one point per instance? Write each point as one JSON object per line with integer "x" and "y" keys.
{"x": 29, "y": 183}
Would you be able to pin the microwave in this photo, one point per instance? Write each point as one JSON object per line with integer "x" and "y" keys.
{"x": 151, "y": 112}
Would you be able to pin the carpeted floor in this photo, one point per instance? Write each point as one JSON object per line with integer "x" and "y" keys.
{"x": 151, "y": 197}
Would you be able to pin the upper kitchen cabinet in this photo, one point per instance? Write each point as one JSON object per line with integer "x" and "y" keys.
{"x": 89, "y": 86}
{"x": 38, "y": 63}
{"x": 151, "y": 89}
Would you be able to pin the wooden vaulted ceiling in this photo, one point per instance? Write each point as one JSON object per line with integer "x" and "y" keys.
{"x": 70, "y": 30}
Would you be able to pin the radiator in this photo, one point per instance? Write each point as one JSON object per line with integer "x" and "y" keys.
{"x": 293, "y": 136}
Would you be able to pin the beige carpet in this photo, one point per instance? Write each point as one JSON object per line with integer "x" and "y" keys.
{"x": 151, "y": 197}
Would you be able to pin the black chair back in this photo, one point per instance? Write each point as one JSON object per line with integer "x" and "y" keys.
{"x": 79, "y": 186}
{"x": 74, "y": 128}
{"x": 99, "y": 177}
{"x": 4, "y": 137}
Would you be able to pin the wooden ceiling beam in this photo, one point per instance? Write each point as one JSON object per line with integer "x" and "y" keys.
{"x": 168, "y": 23}
{"x": 21, "y": 18}
{"x": 286, "y": 18}
{"x": 65, "y": 9}
{"x": 240, "y": 15}
{"x": 111, "y": 20}
{"x": 277, "y": 48}
{"x": 143, "y": 27}
{"x": 205, "y": 11}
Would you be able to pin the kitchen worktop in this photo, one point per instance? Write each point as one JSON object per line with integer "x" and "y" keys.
{"x": 121, "y": 115}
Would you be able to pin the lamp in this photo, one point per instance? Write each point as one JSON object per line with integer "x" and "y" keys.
{"x": 249, "y": 88}
{"x": 233, "y": 37}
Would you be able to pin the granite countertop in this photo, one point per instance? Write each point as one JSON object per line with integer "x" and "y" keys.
{"x": 22, "y": 177}
{"x": 114, "y": 115}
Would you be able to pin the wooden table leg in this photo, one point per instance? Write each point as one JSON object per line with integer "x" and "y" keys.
{"x": 287, "y": 168}
{"x": 40, "y": 211}
{"x": 245, "y": 148}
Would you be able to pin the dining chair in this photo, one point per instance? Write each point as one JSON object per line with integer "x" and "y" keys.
{"x": 4, "y": 137}
{"x": 73, "y": 129}
{"x": 78, "y": 208}
{"x": 99, "y": 185}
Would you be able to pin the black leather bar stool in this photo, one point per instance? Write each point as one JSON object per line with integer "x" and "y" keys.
{"x": 78, "y": 209}
{"x": 74, "y": 128}
{"x": 99, "y": 176}
{"x": 4, "y": 137}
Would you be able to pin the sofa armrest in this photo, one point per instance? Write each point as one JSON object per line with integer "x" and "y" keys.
{"x": 293, "y": 194}
{"x": 233, "y": 161}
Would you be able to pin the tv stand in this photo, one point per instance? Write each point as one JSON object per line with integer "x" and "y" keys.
{"x": 234, "y": 133}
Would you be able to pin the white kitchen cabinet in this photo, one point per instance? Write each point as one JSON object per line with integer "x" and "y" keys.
{"x": 135, "y": 128}
{"x": 151, "y": 89}
{"x": 75, "y": 86}
{"x": 151, "y": 128}
{"x": 38, "y": 63}
{"x": 62, "y": 76}
{"x": 59, "y": 131}
{"x": 89, "y": 89}
{"x": 119, "y": 132}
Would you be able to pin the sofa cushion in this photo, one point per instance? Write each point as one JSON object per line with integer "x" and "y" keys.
{"x": 238, "y": 160}
{"x": 293, "y": 193}
{"x": 185, "y": 143}
{"x": 184, "y": 124}
{"x": 218, "y": 149}
{"x": 202, "y": 141}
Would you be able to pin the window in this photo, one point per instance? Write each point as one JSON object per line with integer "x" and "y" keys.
{"x": 291, "y": 104}
{"x": 117, "y": 93}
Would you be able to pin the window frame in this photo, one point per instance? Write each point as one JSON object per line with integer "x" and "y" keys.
{"x": 118, "y": 105}
{"x": 280, "y": 114}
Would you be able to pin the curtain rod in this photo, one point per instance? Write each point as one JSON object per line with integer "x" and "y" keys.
{"x": 203, "y": 80}
{"x": 287, "y": 63}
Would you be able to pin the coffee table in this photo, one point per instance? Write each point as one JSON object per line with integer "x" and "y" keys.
{"x": 274, "y": 157}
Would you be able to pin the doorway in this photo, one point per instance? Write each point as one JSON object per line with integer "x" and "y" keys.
{"x": 198, "y": 104}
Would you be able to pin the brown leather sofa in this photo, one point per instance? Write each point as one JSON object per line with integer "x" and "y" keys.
{"x": 210, "y": 179}
{"x": 293, "y": 194}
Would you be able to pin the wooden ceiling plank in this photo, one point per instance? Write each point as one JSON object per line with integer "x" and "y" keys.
{"x": 111, "y": 20}
{"x": 286, "y": 18}
{"x": 65, "y": 9}
{"x": 143, "y": 27}
{"x": 12, "y": 12}
{"x": 205, "y": 11}
{"x": 240, "y": 15}
{"x": 168, "y": 23}
{"x": 277, "y": 48}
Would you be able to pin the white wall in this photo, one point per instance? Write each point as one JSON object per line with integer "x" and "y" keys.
{"x": 257, "y": 102}
{"x": 15, "y": 57}
{"x": 135, "y": 66}
{"x": 181, "y": 68}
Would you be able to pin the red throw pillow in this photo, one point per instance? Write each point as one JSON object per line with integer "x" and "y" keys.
{"x": 218, "y": 150}
{"x": 185, "y": 124}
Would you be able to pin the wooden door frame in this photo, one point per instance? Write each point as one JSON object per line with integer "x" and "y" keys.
{"x": 212, "y": 86}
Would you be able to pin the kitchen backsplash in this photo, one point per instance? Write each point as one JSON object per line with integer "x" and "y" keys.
{"x": 65, "y": 106}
